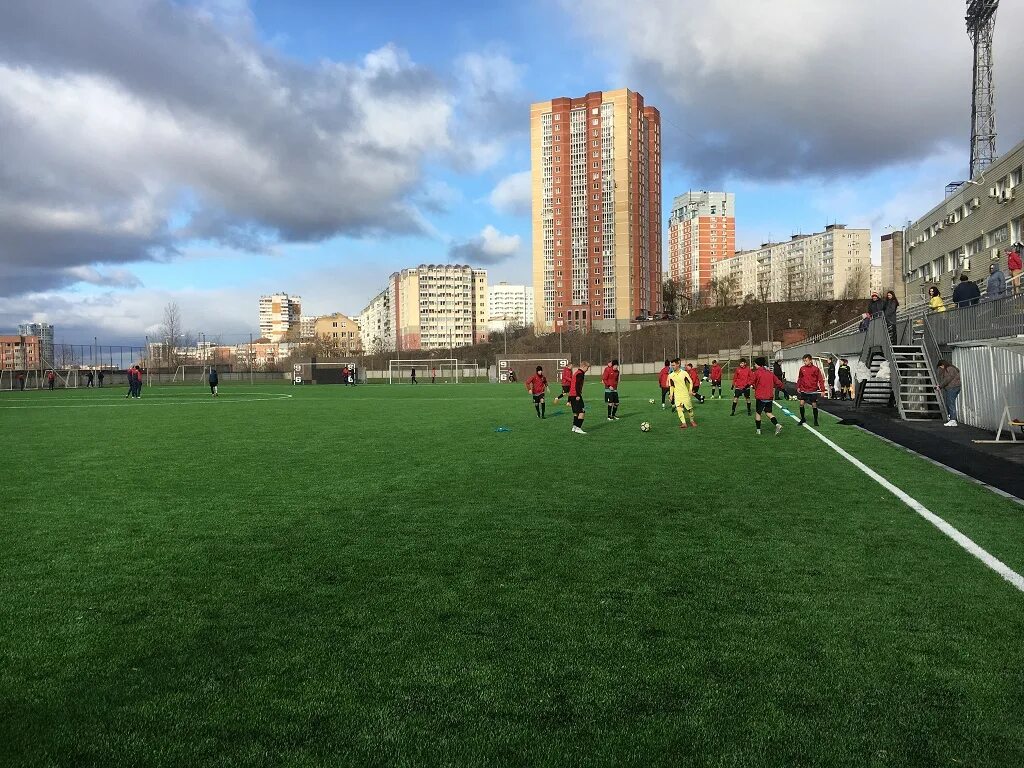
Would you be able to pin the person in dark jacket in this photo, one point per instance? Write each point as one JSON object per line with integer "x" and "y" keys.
{"x": 214, "y": 381}
{"x": 780, "y": 392}
{"x": 966, "y": 293}
{"x": 100, "y": 377}
{"x": 830, "y": 372}
{"x": 876, "y": 305}
{"x": 890, "y": 307}
{"x": 845, "y": 380}
{"x": 865, "y": 323}
{"x": 996, "y": 286}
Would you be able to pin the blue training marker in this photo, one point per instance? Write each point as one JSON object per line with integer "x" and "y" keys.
{"x": 502, "y": 429}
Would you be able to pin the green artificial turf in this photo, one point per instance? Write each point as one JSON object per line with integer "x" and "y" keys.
{"x": 333, "y": 576}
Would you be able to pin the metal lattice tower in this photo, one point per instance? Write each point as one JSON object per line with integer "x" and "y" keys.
{"x": 981, "y": 23}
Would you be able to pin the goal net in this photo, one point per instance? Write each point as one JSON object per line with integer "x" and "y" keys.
{"x": 347, "y": 373}
{"x": 440, "y": 371}
{"x": 193, "y": 373}
{"x": 520, "y": 369}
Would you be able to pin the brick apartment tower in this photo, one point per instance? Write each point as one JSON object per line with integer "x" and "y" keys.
{"x": 701, "y": 231}
{"x": 596, "y": 178}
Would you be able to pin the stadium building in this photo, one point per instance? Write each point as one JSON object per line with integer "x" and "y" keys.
{"x": 596, "y": 188}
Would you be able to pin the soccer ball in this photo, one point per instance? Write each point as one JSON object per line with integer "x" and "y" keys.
{"x": 645, "y": 426}
{"x": 651, "y": 401}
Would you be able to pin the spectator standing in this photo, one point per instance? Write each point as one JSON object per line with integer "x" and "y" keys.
{"x": 890, "y": 307}
{"x": 780, "y": 392}
{"x": 935, "y": 300}
{"x": 51, "y": 379}
{"x": 21, "y": 382}
{"x": 995, "y": 288}
{"x": 966, "y": 293}
{"x": 876, "y": 305}
{"x": 865, "y": 322}
{"x": 100, "y": 377}
{"x": 214, "y": 381}
{"x": 830, "y": 371}
{"x": 845, "y": 380}
{"x": 949, "y": 385}
{"x": 1013, "y": 266}
{"x": 90, "y": 377}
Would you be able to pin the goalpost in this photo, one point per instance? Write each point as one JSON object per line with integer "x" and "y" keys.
{"x": 523, "y": 367}
{"x": 185, "y": 373}
{"x": 443, "y": 370}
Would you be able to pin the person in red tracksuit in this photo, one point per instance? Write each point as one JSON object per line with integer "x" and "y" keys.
{"x": 579, "y": 409}
{"x": 764, "y": 383}
{"x": 809, "y": 383}
{"x": 694, "y": 375}
{"x": 716, "y": 379}
{"x": 566, "y": 383}
{"x": 537, "y": 385}
{"x": 663, "y": 382}
{"x": 610, "y": 379}
{"x": 742, "y": 378}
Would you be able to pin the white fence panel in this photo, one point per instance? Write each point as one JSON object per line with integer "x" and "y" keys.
{"x": 991, "y": 376}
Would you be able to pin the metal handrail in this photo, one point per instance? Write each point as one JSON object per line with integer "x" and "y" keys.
{"x": 1003, "y": 317}
{"x": 931, "y": 356}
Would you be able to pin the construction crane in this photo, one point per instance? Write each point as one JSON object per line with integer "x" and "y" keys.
{"x": 981, "y": 23}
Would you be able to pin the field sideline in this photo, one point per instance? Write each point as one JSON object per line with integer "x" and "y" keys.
{"x": 328, "y": 576}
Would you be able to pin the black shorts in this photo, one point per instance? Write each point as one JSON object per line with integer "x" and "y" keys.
{"x": 716, "y": 383}
{"x": 577, "y": 404}
{"x": 845, "y": 384}
{"x": 565, "y": 389}
{"x": 538, "y": 398}
{"x": 807, "y": 397}
{"x": 764, "y": 406}
{"x": 745, "y": 392}
{"x": 611, "y": 396}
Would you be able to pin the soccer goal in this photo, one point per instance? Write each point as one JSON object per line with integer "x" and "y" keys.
{"x": 520, "y": 369}
{"x": 187, "y": 373}
{"x": 444, "y": 370}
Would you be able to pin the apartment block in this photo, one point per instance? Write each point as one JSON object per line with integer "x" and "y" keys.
{"x": 20, "y": 353}
{"x": 596, "y": 186}
{"x": 341, "y": 329}
{"x": 893, "y": 265}
{"x": 509, "y": 305}
{"x": 377, "y": 331}
{"x": 280, "y": 317}
{"x": 438, "y": 306}
{"x": 876, "y": 280}
{"x": 307, "y": 327}
{"x": 43, "y": 332}
{"x": 969, "y": 230}
{"x": 833, "y": 264}
{"x": 701, "y": 231}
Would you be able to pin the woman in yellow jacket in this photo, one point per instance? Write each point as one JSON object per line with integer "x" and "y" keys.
{"x": 935, "y": 300}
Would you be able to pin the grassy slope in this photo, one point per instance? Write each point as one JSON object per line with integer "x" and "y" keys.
{"x": 375, "y": 575}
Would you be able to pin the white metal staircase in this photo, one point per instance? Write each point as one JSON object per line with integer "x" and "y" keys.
{"x": 913, "y": 384}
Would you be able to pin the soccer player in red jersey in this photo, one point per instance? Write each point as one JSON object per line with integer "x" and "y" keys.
{"x": 566, "y": 378}
{"x": 663, "y": 382}
{"x": 537, "y": 385}
{"x": 809, "y": 383}
{"x": 742, "y": 378}
{"x": 716, "y": 379}
{"x": 694, "y": 375}
{"x": 579, "y": 410}
{"x": 764, "y": 383}
{"x": 610, "y": 379}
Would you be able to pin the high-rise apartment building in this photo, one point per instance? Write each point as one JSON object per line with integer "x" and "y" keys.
{"x": 596, "y": 178}
{"x": 509, "y": 305}
{"x": 280, "y": 317}
{"x": 701, "y": 231}
{"x": 43, "y": 332}
{"x": 834, "y": 264}
{"x": 432, "y": 306}
{"x": 377, "y": 324}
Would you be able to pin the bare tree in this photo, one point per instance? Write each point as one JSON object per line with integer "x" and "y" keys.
{"x": 858, "y": 282}
{"x": 796, "y": 281}
{"x": 723, "y": 288}
{"x": 671, "y": 295}
{"x": 172, "y": 334}
{"x": 764, "y": 284}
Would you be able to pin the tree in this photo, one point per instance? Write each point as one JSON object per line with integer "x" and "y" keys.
{"x": 723, "y": 288}
{"x": 795, "y": 280}
{"x": 671, "y": 294}
{"x": 858, "y": 282}
{"x": 172, "y": 335}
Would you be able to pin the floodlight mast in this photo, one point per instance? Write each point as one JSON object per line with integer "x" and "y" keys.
{"x": 981, "y": 22}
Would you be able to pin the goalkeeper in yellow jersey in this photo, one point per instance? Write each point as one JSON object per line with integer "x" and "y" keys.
{"x": 682, "y": 387}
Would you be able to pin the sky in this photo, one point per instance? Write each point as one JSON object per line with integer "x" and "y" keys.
{"x": 206, "y": 152}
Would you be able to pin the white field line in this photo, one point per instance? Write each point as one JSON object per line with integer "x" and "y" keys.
{"x": 152, "y": 401}
{"x": 963, "y": 541}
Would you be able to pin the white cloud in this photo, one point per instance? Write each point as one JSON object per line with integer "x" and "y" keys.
{"x": 805, "y": 87}
{"x": 513, "y": 195}
{"x": 489, "y": 247}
